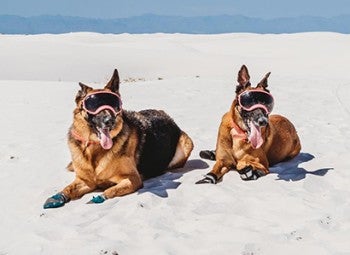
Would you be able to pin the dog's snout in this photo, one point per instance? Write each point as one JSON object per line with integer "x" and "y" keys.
{"x": 103, "y": 119}
{"x": 258, "y": 116}
{"x": 107, "y": 120}
{"x": 262, "y": 121}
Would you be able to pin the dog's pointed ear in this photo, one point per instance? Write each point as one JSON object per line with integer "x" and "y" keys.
{"x": 113, "y": 84}
{"x": 243, "y": 79}
{"x": 84, "y": 90}
{"x": 263, "y": 83}
{"x": 243, "y": 75}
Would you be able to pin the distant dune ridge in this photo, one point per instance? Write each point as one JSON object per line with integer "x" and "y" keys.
{"x": 150, "y": 23}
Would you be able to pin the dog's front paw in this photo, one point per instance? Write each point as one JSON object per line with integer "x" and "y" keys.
{"x": 249, "y": 174}
{"x": 97, "y": 200}
{"x": 56, "y": 200}
{"x": 208, "y": 178}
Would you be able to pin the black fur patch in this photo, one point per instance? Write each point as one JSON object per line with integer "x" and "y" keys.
{"x": 158, "y": 138}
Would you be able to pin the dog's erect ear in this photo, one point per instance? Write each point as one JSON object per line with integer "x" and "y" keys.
{"x": 82, "y": 92}
{"x": 113, "y": 84}
{"x": 263, "y": 83}
{"x": 243, "y": 79}
{"x": 243, "y": 76}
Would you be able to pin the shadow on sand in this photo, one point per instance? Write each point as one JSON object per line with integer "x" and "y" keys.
{"x": 290, "y": 170}
{"x": 287, "y": 171}
{"x": 159, "y": 185}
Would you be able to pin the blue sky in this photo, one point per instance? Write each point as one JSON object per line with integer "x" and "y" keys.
{"x": 126, "y": 8}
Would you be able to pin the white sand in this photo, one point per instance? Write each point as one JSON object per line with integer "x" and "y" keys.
{"x": 302, "y": 207}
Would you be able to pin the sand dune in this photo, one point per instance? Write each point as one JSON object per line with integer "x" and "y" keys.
{"x": 301, "y": 207}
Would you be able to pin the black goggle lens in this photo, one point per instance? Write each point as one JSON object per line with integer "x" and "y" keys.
{"x": 250, "y": 98}
{"x": 94, "y": 102}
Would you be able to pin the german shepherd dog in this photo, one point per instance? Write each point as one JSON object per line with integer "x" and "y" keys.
{"x": 115, "y": 150}
{"x": 249, "y": 139}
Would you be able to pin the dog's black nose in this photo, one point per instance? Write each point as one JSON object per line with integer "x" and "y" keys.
{"x": 262, "y": 121}
{"x": 107, "y": 120}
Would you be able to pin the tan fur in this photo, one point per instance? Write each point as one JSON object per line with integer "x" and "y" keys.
{"x": 281, "y": 141}
{"x": 183, "y": 151}
{"x": 114, "y": 170}
{"x": 97, "y": 168}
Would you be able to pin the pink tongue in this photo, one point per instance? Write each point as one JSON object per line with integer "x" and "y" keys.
{"x": 105, "y": 140}
{"x": 255, "y": 136}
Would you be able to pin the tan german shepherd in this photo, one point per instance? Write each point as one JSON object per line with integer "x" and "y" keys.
{"x": 250, "y": 140}
{"x": 115, "y": 150}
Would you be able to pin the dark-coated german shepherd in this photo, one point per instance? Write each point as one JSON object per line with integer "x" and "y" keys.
{"x": 249, "y": 139}
{"x": 115, "y": 150}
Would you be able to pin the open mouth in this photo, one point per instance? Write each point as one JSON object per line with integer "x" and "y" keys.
{"x": 103, "y": 123}
{"x": 254, "y": 134}
{"x": 105, "y": 138}
{"x": 255, "y": 120}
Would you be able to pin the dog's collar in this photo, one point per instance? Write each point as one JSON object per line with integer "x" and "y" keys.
{"x": 81, "y": 139}
{"x": 236, "y": 132}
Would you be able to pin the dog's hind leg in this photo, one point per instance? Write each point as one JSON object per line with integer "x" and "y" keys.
{"x": 183, "y": 151}
{"x": 296, "y": 150}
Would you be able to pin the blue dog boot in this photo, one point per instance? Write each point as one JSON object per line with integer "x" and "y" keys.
{"x": 97, "y": 200}
{"x": 56, "y": 200}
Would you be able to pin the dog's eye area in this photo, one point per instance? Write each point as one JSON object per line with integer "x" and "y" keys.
{"x": 98, "y": 101}
{"x": 253, "y": 99}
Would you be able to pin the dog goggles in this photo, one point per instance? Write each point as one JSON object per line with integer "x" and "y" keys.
{"x": 102, "y": 100}
{"x": 252, "y": 99}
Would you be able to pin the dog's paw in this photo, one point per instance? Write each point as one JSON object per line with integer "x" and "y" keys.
{"x": 55, "y": 201}
{"x": 97, "y": 200}
{"x": 206, "y": 154}
{"x": 249, "y": 174}
{"x": 208, "y": 178}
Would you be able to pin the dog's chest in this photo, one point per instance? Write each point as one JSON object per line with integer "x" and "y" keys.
{"x": 239, "y": 148}
{"x": 103, "y": 166}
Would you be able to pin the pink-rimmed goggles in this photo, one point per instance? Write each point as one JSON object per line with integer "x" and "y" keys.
{"x": 101, "y": 100}
{"x": 250, "y": 100}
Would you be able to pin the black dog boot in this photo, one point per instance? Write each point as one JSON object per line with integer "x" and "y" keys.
{"x": 249, "y": 174}
{"x": 208, "y": 178}
{"x": 207, "y": 154}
